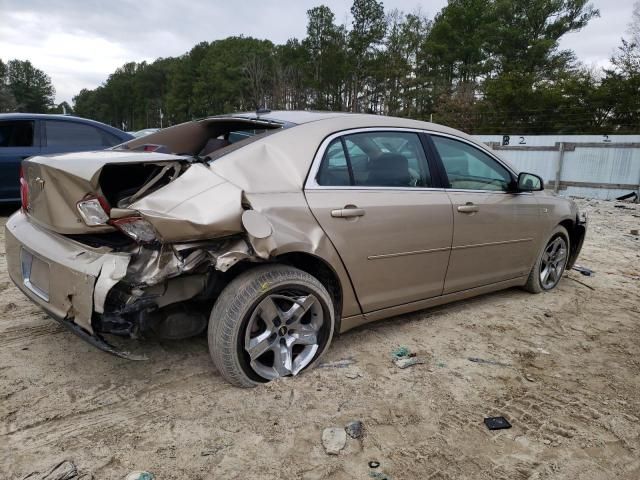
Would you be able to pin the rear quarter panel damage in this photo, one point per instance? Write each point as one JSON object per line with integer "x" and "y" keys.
{"x": 197, "y": 205}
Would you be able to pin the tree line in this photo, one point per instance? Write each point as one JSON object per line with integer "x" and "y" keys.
{"x": 484, "y": 66}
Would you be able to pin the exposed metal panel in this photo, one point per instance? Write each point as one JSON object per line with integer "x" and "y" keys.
{"x": 594, "y": 160}
{"x": 550, "y": 140}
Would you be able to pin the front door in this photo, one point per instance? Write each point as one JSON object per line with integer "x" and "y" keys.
{"x": 373, "y": 196}
{"x": 496, "y": 232}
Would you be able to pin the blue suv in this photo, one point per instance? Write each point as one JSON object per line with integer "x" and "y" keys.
{"x": 23, "y": 135}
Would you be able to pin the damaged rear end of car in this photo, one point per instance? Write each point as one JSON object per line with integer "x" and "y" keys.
{"x": 136, "y": 241}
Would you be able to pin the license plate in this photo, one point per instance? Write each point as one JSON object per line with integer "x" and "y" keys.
{"x": 35, "y": 274}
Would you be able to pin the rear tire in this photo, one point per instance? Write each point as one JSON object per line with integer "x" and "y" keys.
{"x": 271, "y": 321}
{"x": 551, "y": 262}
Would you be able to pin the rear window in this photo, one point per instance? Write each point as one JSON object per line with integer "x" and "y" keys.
{"x": 17, "y": 133}
{"x": 65, "y": 133}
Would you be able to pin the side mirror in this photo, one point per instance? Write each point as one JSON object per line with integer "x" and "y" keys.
{"x": 529, "y": 182}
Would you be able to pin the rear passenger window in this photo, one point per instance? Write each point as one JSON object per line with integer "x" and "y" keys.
{"x": 375, "y": 159}
{"x": 65, "y": 133}
{"x": 16, "y": 133}
{"x": 334, "y": 170}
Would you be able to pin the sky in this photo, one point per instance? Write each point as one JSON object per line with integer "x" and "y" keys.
{"x": 79, "y": 43}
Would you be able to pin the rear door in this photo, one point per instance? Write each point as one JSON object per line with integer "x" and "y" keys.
{"x": 373, "y": 194}
{"x": 61, "y": 136}
{"x": 18, "y": 140}
{"x": 495, "y": 230}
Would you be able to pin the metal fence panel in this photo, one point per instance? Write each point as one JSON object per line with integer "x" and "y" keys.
{"x": 595, "y": 166}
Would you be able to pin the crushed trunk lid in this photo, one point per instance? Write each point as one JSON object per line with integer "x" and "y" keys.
{"x": 57, "y": 183}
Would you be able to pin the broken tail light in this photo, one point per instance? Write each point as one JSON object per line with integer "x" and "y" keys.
{"x": 136, "y": 228}
{"x": 24, "y": 191}
{"x": 94, "y": 211}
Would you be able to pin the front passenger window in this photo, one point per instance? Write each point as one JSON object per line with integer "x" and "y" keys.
{"x": 469, "y": 168}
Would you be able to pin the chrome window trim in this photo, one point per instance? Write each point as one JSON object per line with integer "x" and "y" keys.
{"x": 491, "y": 155}
{"x": 312, "y": 184}
{"x": 477, "y": 147}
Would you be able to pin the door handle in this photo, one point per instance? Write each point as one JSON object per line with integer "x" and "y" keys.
{"x": 347, "y": 212}
{"x": 468, "y": 208}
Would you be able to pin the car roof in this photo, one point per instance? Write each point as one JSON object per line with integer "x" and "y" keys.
{"x": 292, "y": 117}
{"x": 65, "y": 118}
{"x": 280, "y": 162}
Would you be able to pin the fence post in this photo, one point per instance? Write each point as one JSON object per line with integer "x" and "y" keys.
{"x": 556, "y": 186}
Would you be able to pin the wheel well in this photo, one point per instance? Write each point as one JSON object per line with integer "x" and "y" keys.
{"x": 576, "y": 237}
{"x": 568, "y": 224}
{"x": 322, "y": 271}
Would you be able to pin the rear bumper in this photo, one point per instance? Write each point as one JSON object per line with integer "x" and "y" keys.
{"x": 73, "y": 279}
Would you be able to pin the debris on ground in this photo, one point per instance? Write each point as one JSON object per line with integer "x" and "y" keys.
{"x": 497, "y": 423}
{"x": 334, "y": 439}
{"x": 587, "y": 272}
{"x": 402, "y": 357}
{"x": 634, "y": 231}
{"x": 338, "y": 363}
{"x": 379, "y": 476}
{"x": 397, "y": 407}
{"x": 374, "y": 464}
{"x": 632, "y": 197}
{"x": 581, "y": 283}
{"x": 354, "y": 429}
{"x": 353, "y": 375}
{"x": 140, "y": 475}
{"x": 408, "y": 362}
{"x": 488, "y": 362}
{"x": 65, "y": 470}
{"x": 401, "y": 352}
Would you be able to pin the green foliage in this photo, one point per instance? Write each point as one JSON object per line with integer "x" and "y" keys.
{"x": 24, "y": 88}
{"x": 483, "y": 66}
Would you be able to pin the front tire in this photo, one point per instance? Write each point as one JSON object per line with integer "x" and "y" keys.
{"x": 551, "y": 262}
{"x": 269, "y": 322}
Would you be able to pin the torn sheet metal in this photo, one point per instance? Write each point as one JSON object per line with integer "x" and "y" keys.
{"x": 227, "y": 256}
{"x": 152, "y": 266}
{"x": 58, "y": 183}
{"x": 176, "y": 168}
{"x": 197, "y": 205}
{"x": 113, "y": 270}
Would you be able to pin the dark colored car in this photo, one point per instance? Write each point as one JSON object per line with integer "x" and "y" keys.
{"x": 23, "y": 135}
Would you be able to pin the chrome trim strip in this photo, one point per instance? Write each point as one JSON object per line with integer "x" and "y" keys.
{"x": 312, "y": 184}
{"x": 402, "y": 254}
{"x": 490, "y": 244}
{"x": 462, "y": 190}
{"x": 400, "y": 189}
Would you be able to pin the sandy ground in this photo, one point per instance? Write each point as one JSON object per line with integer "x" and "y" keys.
{"x": 571, "y": 389}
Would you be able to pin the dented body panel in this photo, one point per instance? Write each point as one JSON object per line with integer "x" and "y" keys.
{"x": 77, "y": 173}
{"x": 80, "y": 277}
{"x": 198, "y": 205}
{"x": 204, "y": 213}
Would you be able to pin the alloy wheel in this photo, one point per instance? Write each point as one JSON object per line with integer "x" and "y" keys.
{"x": 553, "y": 262}
{"x": 283, "y": 333}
